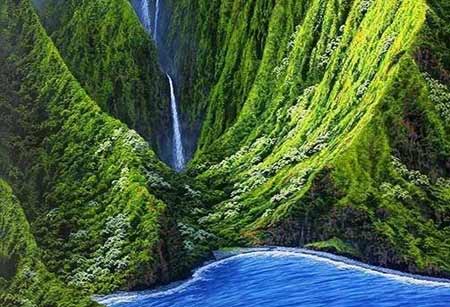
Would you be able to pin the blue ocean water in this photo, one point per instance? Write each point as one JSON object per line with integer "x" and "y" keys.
{"x": 286, "y": 278}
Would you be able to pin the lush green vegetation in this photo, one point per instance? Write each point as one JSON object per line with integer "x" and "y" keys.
{"x": 112, "y": 57}
{"x": 338, "y": 129}
{"x": 87, "y": 182}
{"x": 24, "y": 280}
{"x": 325, "y": 123}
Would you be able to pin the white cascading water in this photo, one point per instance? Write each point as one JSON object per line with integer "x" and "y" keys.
{"x": 146, "y": 16}
{"x": 155, "y": 32}
{"x": 179, "y": 160}
{"x": 178, "y": 152}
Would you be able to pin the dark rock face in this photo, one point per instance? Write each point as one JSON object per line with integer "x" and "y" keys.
{"x": 430, "y": 63}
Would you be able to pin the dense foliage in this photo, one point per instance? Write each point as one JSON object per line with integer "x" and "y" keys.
{"x": 326, "y": 121}
{"x": 86, "y": 181}
{"x": 112, "y": 57}
{"x": 320, "y": 123}
{"x": 24, "y": 280}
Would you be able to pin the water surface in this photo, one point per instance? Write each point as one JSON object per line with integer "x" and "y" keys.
{"x": 291, "y": 278}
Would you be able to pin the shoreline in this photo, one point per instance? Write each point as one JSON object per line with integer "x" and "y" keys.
{"x": 224, "y": 255}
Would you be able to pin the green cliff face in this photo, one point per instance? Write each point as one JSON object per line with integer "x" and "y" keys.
{"x": 87, "y": 183}
{"x": 318, "y": 123}
{"x": 325, "y": 120}
{"x": 109, "y": 53}
{"x": 24, "y": 280}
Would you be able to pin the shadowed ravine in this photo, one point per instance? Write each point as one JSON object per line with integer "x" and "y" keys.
{"x": 291, "y": 277}
{"x": 139, "y": 136}
{"x": 178, "y": 157}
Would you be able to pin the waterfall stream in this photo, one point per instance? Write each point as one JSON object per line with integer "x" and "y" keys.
{"x": 177, "y": 144}
{"x": 178, "y": 160}
{"x": 155, "y": 32}
{"x": 146, "y": 16}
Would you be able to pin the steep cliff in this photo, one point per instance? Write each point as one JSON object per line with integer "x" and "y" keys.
{"x": 325, "y": 121}
{"x": 87, "y": 183}
{"x": 24, "y": 280}
{"x": 318, "y": 123}
{"x": 112, "y": 57}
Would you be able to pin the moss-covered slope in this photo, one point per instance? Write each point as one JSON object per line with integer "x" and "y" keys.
{"x": 92, "y": 181}
{"x": 112, "y": 57}
{"x": 342, "y": 132}
{"x": 215, "y": 48}
{"x": 325, "y": 123}
{"x": 24, "y": 280}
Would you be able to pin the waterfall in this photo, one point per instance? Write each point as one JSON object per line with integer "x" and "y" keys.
{"x": 155, "y": 32}
{"x": 179, "y": 160}
{"x": 178, "y": 153}
{"x": 146, "y": 16}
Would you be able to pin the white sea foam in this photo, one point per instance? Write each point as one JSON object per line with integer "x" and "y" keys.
{"x": 123, "y": 297}
{"x": 330, "y": 259}
{"x": 116, "y": 298}
{"x": 348, "y": 264}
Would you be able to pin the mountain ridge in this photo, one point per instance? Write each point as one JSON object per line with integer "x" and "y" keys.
{"x": 319, "y": 124}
